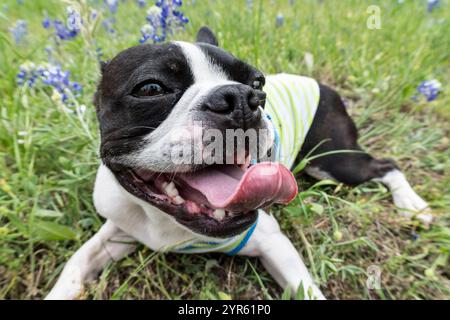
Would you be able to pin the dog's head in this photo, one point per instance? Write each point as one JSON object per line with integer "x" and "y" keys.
{"x": 179, "y": 125}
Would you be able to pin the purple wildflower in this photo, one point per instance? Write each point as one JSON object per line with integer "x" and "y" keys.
{"x": 48, "y": 75}
{"x": 73, "y": 20}
{"x": 162, "y": 20}
{"x": 62, "y": 31}
{"x": 279, "y": 20}
{"x": 19, "y": 31}
{"x": 108, "y": 24}
{"x": 250, "y": 5}
{"x": 431, "y": 4}
{"x": 430, "y": 89}
{"x": 112, "y": 5}
{"x": 69, "y": 29}
{"x": 99, "y": 52}
{"x": 94, "y": 14}
{"x": 142, "y": 3}
{"x": 46, "y": 23}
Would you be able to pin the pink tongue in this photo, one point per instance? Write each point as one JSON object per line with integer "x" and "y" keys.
{"x": 230, "y": 188}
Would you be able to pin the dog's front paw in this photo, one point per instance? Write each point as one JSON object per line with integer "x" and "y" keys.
{"x": 411, "y": 205}
{"x": 68, "y": 287}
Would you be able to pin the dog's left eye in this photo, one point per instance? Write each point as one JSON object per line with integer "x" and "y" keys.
{"x": 149, "y": 90}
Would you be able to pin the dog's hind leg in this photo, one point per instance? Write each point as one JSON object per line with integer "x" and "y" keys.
{"x": 280, "y": 258}
{"x": 109, "y": 243}
{"x": 333, "y": 130}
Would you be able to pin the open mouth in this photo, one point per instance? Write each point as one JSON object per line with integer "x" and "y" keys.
{"x": 217, "y": 201}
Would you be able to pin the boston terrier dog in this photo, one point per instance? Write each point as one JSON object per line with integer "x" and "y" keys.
{"x": 164, "y": 110}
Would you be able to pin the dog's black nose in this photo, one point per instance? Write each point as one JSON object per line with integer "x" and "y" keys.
{"x": 239, "y": 101}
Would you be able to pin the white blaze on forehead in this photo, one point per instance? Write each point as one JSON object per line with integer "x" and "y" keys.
{"x": 202, "y": 68}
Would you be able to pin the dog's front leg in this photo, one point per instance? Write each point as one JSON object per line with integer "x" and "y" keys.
{"x": 280, "y": 257}
{"x": 109, "y": 243}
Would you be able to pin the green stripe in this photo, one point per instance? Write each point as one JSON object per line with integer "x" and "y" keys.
{"x": 308, "y": 112}
{"x": 234, "y": 244}
{"x": 315, "y": 91}
{"x": 311, "y": 90}
{"x": 286, "y": 124}
{"x": 296, "y": 117}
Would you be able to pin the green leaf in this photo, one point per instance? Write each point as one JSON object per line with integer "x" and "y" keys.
{"x": 286, "y": 294}
{"x": 317, "y": 208}
{"x": 300, "y": 166}
{"x": 223, "y": 296}
{"x": 47, "y": 230}
{"x": 292, "y": 211}
{"x": 44, "y": 213}
{"x": 300, "y": 292}
{"x": 326, "y": 182}
{"x": 310, "y": 293}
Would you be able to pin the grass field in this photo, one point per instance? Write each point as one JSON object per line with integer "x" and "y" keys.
{"x": 48, "y": 155}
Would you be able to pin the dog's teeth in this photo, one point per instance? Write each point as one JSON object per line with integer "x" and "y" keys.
{"x": 171, "y": 190}
{"x": 245, "y": 165}
{"x": 219, "y": 214}
{"x": 178, "y": 200}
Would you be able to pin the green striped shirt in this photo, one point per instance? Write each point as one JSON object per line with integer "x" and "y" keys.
{"x": 292, "y": 102}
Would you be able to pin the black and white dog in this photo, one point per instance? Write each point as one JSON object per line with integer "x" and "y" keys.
{"x": 146, "y": 95}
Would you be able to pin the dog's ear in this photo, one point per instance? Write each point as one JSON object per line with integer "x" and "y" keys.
{"x": 205, "y": 35}
{"x": 103, "y": 65}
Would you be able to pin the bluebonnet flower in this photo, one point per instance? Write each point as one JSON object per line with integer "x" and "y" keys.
{"x": 19, "y": 31}
{"x": 46, "y": 23}
{"x": 49, "y": 51}
{"x": 163, "y": 19}
{"x": 249, "y": 5}
{"x": 27, "y": 74}
{"x": 147, "y": 31}
{"x": 50, "y": 75}
{"x": 62, "y": 31}
{"x": 94, "y": 14}
{"x": 73, "y": 20}
{"x": 108, "y": 24}
{"x": 430, "y": 89}
{"x": 432, "y": 4}
{"x": 99, "y": 52}
{"x": 68, "y": 30}
{"x": 142, "y": 3}
{"x": 112, "y": 5}
{"x": 279, "y": 20}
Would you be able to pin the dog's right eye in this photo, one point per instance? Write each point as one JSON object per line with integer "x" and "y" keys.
{"x": 149, "y": 90}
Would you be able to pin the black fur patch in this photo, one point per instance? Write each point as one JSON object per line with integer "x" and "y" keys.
{"x": 124, "y": 118}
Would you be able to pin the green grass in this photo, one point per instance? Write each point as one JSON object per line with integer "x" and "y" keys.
{"x": 48, "y": 158}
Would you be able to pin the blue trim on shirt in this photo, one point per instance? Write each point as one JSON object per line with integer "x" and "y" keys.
{"x": 276, "y": 144}
{"x": 276, "y": 141}
{"x": 244, "y": 241}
